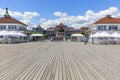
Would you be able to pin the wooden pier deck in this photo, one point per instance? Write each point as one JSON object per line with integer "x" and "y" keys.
{"x": 59, "y": 61}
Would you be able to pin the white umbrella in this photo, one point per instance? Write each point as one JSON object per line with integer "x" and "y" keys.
{"x": 4, "y": 33}
{"x": 36, "y": 35}
{"x": 115, "y": 34}
{"x": 13, "y": 33}
{"x": 104, "y": 34}
{"x": 97, "y": 34}
{"x": 77, "y": 35}
{"x": 21, "y": 34}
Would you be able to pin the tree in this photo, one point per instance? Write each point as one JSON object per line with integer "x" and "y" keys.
{"x": 46, "y": 35}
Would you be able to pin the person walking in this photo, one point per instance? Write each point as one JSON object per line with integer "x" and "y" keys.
{"x": 93, "y": 40}
{"x": 85, "y": 41}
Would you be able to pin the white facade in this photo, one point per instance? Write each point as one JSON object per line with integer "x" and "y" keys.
{"x": 10, "y": 24}
{"x": 12, "y": 27}
{"x": 110, "y": 28}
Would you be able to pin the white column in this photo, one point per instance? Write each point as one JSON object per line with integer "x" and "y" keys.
{"x": 17, "y": 27}
{"x": 6, "y": 27}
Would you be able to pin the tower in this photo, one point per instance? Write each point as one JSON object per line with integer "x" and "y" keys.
{"x": 6, "y": 15}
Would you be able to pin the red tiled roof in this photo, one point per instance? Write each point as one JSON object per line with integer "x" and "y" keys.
{"x": 71, "y": 28}
{"x": 10, "y": 20}
{"x": 108, "y": 19}
{"x": 84, "y": 28}
{"x": 61, "y": 24}
{"x": 50, "y": 28}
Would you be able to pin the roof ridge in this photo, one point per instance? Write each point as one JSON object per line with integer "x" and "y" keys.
{"x": 10, "y": 20}
{"x": 108, "y": 19}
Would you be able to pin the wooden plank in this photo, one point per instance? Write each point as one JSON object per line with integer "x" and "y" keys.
{"x": 59, "y": 61}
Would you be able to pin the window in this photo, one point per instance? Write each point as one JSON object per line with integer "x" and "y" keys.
{"x": 1, "y": 36}
{"x": 8, "y": 27}
{"x": 15, "y": 27}
{"x": 2, "y": 27}
{"x": 21, "y": 28}
{"x": 12, "y": 27}
{"x": 113, "y": 27}
{"x": 102, "y": 27}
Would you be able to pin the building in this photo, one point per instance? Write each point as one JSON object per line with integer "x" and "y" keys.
{"x": 61, "y": 30}
{"x": 12, "y": 30}
{"x": 107, "y": 23}
{"x": 11, "y": 24}
{"x": 38, "y": 29}
{"x": 84, "y": 29}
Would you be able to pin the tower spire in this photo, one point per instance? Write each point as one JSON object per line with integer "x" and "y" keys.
{"x": 6, "y": 15}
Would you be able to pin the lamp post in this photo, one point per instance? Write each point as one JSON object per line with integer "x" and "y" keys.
{"x": 28, "y": 35}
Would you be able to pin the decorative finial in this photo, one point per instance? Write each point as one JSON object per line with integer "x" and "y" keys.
{"x": 108, "y": 16}
{"x": 6, "y": 9}
{"x": 6, "y": 15}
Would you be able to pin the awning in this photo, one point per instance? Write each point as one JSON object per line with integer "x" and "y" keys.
{"x": 36, "y": 35}
{"x": 77, "y": 35}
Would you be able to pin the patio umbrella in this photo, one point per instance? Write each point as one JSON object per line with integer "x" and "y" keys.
{"x": 104, "y": 34}
{"x": 97, "y": 34}
{"x": 4, "y": 33}
{"x": 115, "y": 35}
{"x": 36, "y": 35}
{"x": 21, "y": 34}
{"x": 77, "y": 35}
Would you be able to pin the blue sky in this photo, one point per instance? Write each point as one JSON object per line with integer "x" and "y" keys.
{"x": 47, "y": 8}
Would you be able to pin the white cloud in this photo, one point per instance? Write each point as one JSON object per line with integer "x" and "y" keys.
{"x": 26, "y": 17}
{"x": 60, "y": 14}
{"x": 1, "y": 12}
{"x": 57, "y": 14}
{"x": 111, "y": 11}
{"x": 26, "y": 21}
{"x": 42, "y": 20}
{"x": 79, "y": 21}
